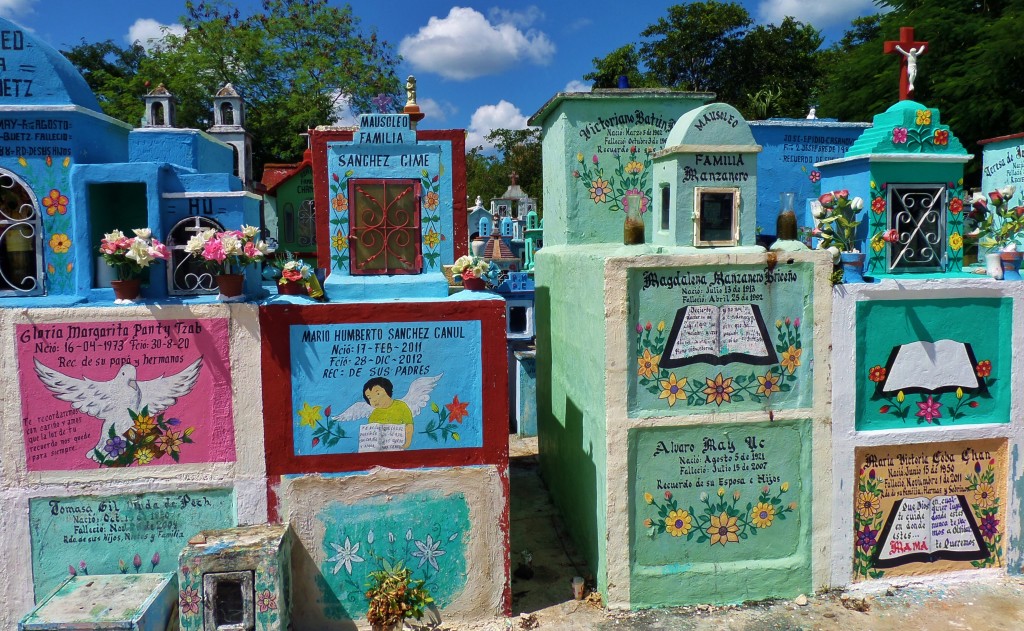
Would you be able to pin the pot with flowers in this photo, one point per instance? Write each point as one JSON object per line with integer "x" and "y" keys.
{"x": 475, "y": 273}
{"x": 227, "y": 254}
{"x": 1000, "y": 228}
{"x": 297, "y": 277}
{"x": 836, "y": 216}
{"x": 393, "y": 597}
{"x": 129, "y": 257}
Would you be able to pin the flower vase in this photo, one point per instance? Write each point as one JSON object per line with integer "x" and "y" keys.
{"x": 633, "y": 226}
{"x": 127, "y": 290}
{"x": 1011, "y": 264}
{"x": 853, "y": 266}
{"x": 230, "y": 286}
{"x": 474, "y": 284}
{"x": 292, "y": 288}
{"x": 994, "y": 265}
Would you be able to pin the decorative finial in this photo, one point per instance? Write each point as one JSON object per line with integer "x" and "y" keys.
{"x": 410, "y": 91}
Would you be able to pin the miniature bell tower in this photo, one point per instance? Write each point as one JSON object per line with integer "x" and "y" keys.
{"x": 159, "y": 107}
{"x": 229, "y": 128}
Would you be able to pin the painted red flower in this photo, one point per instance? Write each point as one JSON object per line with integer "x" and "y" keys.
{"x": 984, "y": 368}
{"x": 876, "y": 374}
{"x": 457, "y": 410}
{"x": 941, "y": 137}
{"x": 884, "y": 409}
{"x": 956, "y": 205}
{"x": 878, "y": 205}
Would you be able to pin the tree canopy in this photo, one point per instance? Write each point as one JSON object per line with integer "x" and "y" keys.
{"x": 295, "y": 62}
{"x": 518, "y": 150}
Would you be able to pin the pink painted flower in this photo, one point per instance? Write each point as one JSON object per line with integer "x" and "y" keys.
{"x": 266, "y": 601}
{"x": 815, "y": 176}
{"x": 189, "y": 601}
{"x": 595, "y": 158}
{"x": 899, "y": 135}
{"x": 214, "y": 251}
{"x": 929, "y": 409}
{"x": 796, "y": 323}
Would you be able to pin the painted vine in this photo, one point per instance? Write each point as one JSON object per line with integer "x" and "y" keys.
{"x": 721, "y": 521}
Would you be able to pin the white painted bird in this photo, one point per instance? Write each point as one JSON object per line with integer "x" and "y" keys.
{"x": 110, "y": 401}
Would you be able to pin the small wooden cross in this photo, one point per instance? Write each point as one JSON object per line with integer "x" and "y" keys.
{"x": 909, "y": 50}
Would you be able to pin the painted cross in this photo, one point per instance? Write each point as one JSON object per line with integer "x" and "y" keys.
{"x": 910, "y": 51}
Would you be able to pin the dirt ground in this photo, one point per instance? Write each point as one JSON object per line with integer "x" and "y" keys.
{"x": 544, "y": 562}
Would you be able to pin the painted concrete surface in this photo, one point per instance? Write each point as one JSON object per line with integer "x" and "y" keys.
{"x": 140, "y": 602}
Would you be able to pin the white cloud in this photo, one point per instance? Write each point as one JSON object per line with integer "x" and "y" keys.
{"x": 343, "y": 113}
{"x": 577, "y": 86}
{"x": 436, "y": 111}
{"x": 523, "y": 19}
{"x": 465, "y": 45}
{"x": 11, "y": 8}
{"x": 487, "y": 118}
{"x": 815, "y": 12}
{"x": 149, "y": 32}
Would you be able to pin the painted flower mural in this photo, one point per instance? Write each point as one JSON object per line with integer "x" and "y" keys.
{"x": 721, "y": 520}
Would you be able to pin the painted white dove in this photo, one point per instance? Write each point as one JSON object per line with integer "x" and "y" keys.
{"x": 110, "y": 401}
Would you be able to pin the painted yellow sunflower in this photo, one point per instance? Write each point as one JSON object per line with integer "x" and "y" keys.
{"x": 309, "y": 414}
{"x": 763, "y": 514}
{"x": 791, "y": 358}
{"x": 144, "y": 455}
{"x": 599, "y": 190}
{"x": 144, "y": 424}
{"x": 769, "y": 384}
{"x": 723, "y": 529}
{"x": 718, "y": 390}
{"x": 678, "y": 523}
{"x": 648, "y": 364}
{"x": 432, "y": 238}
{"x": 867, "y": 505}
{"x": 672, "y": 389}
{"x": 984, "y": 495}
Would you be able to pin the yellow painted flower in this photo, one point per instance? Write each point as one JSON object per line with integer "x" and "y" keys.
{"x": 339, "y": 241}
{"x": 67, "y": 161}
{"x": 784, "y": 486}
{"x": 144, "y": 424}
{"x": 339, "y": 203}
{"x": 431, "y": 200}
{"x": 959, "y": 393}
{"x": 672, "y": 389}
{"x": 169, "y": 441}
{"x": 60, "y": 243}
{"x": 867, "y": 505}
{"x": 723, "y": 529}
{"x": 956, "y": 241}
{"x": 678, "y": 523}
{"x": 648, "y": 498}
{"x": 661, "y": 326}
{"x": 648, "y": 364}
{"x": 22, "y": 162}
{"x": 984, "y": 495}
{"x": 721, "y": 492}
{"x": 309, "y": 414}
{"x": 599, "y": 190}
{"x": 579, "y": 157}
{"x": 432, "y": 238}
{"x": 634, "y": 167}
{"x": 763, "y": 514}
{"x": 924, "y": 117}
{"x": 791, "y": 358}
{"x": 900, "y": 397}
{"x": 877, "y": 243}
{"x": 70, "y": 266}
{"x": 769, "y": 384}
{"x": 718, "y": 390}
{"x": 144, "y": 455}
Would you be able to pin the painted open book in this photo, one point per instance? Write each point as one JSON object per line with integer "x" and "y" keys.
{"x": 923, "y": 530}
{"x": 381, "y": 437}
{"x": 718, "y": 335}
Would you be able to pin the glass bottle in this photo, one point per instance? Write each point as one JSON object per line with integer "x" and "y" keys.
{"x": 785, "y": 225}
{"x": 633, "y": 230}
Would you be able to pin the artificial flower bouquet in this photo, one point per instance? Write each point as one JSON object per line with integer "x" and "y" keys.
{"x": 295, "y": 270}
{"x": 1000, "y": 226}
{"x": 836, "y": 215}
{"x": 230, "y": 251}
{"x": 475, "y": 267}
{"x": 130, "y": 256}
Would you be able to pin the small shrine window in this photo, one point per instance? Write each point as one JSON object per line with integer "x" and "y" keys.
{"x": 716, "y": 216}
{"x": 21, "y": 260}
{"x": 229, "y": 601}
{"x": 917, "y": 213}
{"x": 187, "y": 275}
{"x": 299, "y": 226}
{"x": 666, "y": 196}
{"x": 384, "y": 233}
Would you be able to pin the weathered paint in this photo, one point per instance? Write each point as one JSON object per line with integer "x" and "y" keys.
{"x": 132, "y": 602}
{"x": 349, "y": 524}
{"x": 938, "y": 389}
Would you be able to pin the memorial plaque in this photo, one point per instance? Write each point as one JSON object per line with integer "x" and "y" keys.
{"x": 929, "y": 508}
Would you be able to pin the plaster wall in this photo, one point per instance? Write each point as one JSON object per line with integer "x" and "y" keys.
{"x": 242, "y": 478}
{"x": 955, "y": 431}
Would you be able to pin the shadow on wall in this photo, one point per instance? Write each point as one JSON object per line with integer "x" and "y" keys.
{"x": 315, "y": 607}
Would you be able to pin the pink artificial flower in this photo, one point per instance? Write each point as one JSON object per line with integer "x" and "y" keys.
{"x": 899, "y": 135}
{"x": 890, "y": 236}
{"x": 843, "y": 194}
{"x": 106, "y": 247}
{"x": 214, "y": 251}
{"x": 160, "y": 250}
{"x": 250, "y": 250}
{"x": 826, "y": 199}
{"x": 295, "y": 275}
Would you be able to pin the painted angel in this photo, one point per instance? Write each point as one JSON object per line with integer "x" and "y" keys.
{"x": 379, "y": 406}
{"x": 110, "y": 400}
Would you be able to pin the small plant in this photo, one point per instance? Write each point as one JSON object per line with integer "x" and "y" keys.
{"x": 229, "y": 251}
{"x": 475, "y": 267}
{"x": 394, "y": 597}
{"x": 130, "y": 256}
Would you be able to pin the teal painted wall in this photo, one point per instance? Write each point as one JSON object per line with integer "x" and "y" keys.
{"x": 983, "y": 323}
{"x": 426, "y": 531}
{"x": 780, "y": 378}
{"x": 571, "y": 415}
{"x": 720, "y": 513}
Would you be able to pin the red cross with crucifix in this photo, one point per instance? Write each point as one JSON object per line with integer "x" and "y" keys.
{"x": 910, "y": 51}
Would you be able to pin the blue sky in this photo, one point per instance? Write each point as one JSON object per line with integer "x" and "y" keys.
{"x": 479, "y": 65}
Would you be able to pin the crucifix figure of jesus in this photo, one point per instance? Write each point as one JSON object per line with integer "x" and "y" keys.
{"x": 910, "y": 50}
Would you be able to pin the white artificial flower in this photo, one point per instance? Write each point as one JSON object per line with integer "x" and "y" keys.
{"x": 195, "y": 244}
{"x": 208, "y": 234}
{"x": 139, "y": 252}
{"x": 857, "y": 203}
{"x": 143, "y": 233}
{"x": 232, "y": 244}
{"x": 114, "y": 235}
{"x": 1008, "y": 191}
{"x": 262, "y": 247}
{"x": 980, "y": 198}
{"x": 249, "y": 231}
{"x": 817, "y": 210}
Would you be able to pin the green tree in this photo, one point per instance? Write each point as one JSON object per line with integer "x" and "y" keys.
{"x": 294, "y": 62}
{"x": 621, "y": 61}
{"x": 516, "y": 150}
{"x": 112, "y": 72}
